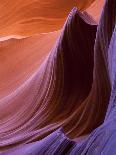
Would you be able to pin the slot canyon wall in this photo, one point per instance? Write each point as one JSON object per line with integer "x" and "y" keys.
{"x": 57, "y": 77}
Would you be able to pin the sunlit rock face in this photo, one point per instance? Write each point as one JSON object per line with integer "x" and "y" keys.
{"x": 27, "y": 17}
{"x": 57, "y": 77}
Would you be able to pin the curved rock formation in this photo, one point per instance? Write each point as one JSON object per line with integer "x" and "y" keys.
{"x": 63, "y": 80}
{"x": 73, "y": 89}
{"x": 25, "y": 18}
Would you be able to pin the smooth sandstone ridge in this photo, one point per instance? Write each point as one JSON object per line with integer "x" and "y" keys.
{"x": 57, "y": 89}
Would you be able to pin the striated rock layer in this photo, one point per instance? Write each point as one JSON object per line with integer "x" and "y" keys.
{"x": 26, "y": 18}
{"x": 31, "y": 17}
{"x": 67, "y": 105}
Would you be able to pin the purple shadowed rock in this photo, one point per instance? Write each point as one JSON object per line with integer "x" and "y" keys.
{"x": 78, "y": 93}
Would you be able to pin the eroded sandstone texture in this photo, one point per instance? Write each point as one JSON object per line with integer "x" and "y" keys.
{"x": 58, "y": 89}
